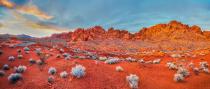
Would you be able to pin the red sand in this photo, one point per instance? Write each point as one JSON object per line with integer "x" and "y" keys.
{"x": 101, "y": 76}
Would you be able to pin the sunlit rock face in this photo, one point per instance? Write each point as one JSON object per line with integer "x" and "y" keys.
{"x": 173, "y": 30}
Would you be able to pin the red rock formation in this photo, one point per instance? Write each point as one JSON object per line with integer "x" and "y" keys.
{"x": 174, "y": 30}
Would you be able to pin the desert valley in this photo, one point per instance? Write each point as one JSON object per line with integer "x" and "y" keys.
{"x": 171, "y": 55}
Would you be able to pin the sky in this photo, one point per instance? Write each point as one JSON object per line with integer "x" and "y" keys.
{"x": 44, "y": 17}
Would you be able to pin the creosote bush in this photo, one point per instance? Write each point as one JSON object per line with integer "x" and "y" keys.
{"x": 19, "y": 50}
{"x": 66, "y": 55}
{"x": 102, "y": 58}
{"x": 26, "y": 49}
{"x": 2, "y": 73}
{"x": 204, "y": 64}
{"x": 32, "y": 61}
{"x": 171, "y": 65}
{"x": 206, "y": 70}
{"x": 11, "y": 58}
{"x": 39, "y": 62}
{"x": 20, "y": 56}
{"x": 183, "y": 71}
{"x": 14, "y": 77}
{"x": 5, "y": 67}
{"x": 156, "y": 61}
{"x": 51, "y": 79}
{"x": 38, "y": 51}
{"x": 20, "y": 69}
{"x": 58, "y": 56}
{"x": 119, "y": 69}
{"x": 178, "y": 77}
{"x": 67, "y": 58}
{"x": 52, "y": 70}
{"x": 129, "y": 59}
{"x": 196, "y": 70}
{"x": 78, "y": 71}
{"x": 63, "y": 74}
{"x": 191, "y": 65}
{"x": 133, "y": 81}
{"x": 112, "y": 61}
{"x": 141, "y": 61}
{"x": 176, "y": 56}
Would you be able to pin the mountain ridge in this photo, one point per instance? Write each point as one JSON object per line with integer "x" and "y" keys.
{"x": 173, "y": 30}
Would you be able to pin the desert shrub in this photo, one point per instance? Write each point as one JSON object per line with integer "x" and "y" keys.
{"x": 78, "y": 71}
{"x": 92, "y": 56}
{"x": 77, "y": 50}
{"x": 183, "y": 71}
{"x": 61, "y": 50}
{"x": 1, "y": 52}
{"x": 67, "y": 58}
{"x": 32, "y": 61}
{"x": 2, "y": 73}
{"x": 102, "y": 58}
{"x": 27, "y": 52}
{"x": 51, "y": 79}
{"x": 58, "y": 56}
{"x": 176, "y": 56}
{"x": 52, "y": 71}
{"x": 156, "y": 61}
{"x": 14, "y": 77}
{"x": 5, "y": 67}
{"x": 119, "y": 69}
{"x": 38, "y": 51}
{"x": 66, "y": 55}
{"x": 11, "y": 46}
{"x": 141, "y": 61}
{"x": 206, "y": 70}
{"x": 129, "y": 59}
{"x": 148, "y": 62}
{"x": 112, "y": 61}
{"x": 11, "y": 58}
{"x": 20, "y": 69}
{"x": 26, "y": 49}
{"x": 196, "y": 71}
{"x": 20, "y": 56}
{"x": 63, "y": 74}
{"x": 82, "y": 57}
{"x": 204, "y": 65}
{"x": 178, "y": 77}
{"x": 39, "y": 62}
{"x": 19, "y": 50}
{"x": 133, "y": 81}
{"x": 171, "y": 65}
{"x": 75, "y": 56}
{"x": 191, "y": 65}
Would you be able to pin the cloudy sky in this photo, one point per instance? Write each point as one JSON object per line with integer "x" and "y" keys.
{"x": 44, "y": 17}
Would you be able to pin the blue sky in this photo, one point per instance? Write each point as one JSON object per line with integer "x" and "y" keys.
{"x": 130, "y": 15}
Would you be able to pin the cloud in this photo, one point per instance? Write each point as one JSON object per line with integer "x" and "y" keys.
{"x": 7, "y": 3}
{"x": 28, "y": 9}
{"x": 35, "y": 11}
{"x": 15, "y": 23}
{"x": 1, "y": 25}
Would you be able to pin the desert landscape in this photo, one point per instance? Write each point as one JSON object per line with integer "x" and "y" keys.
{"x": 104, "y": 44}
{"x": 157, "y": 57}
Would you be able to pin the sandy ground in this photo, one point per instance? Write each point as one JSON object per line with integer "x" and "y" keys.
{"x": 100, "y": 76}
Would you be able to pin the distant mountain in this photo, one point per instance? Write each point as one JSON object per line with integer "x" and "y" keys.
{"x": 21, "y": 36}
{"x": 24, "y": 36}
{"x": 173, "y": 30}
